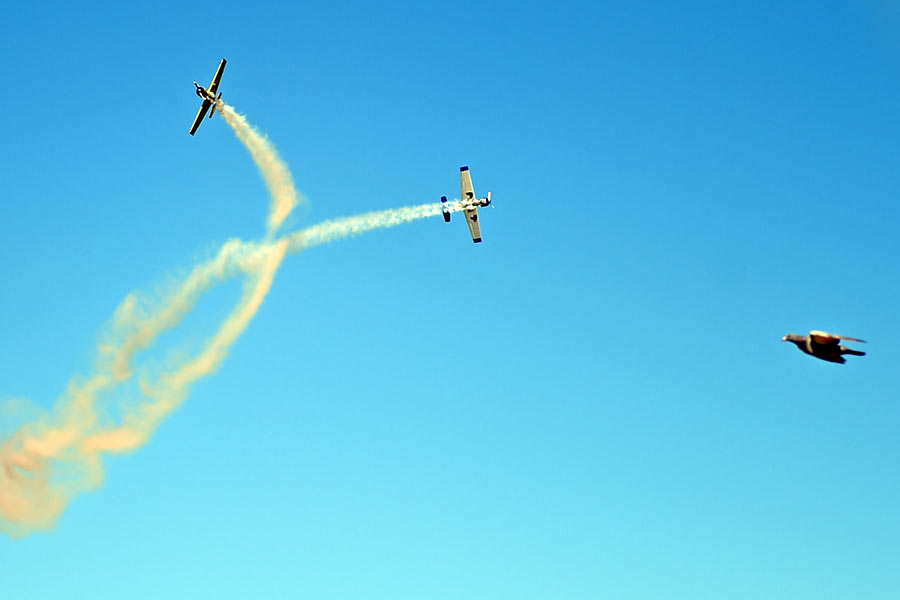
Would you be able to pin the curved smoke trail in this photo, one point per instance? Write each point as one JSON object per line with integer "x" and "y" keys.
{"x": 50, "y": 460}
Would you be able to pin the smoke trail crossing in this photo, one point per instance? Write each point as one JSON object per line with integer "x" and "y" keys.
{"x": 49, "y": 461}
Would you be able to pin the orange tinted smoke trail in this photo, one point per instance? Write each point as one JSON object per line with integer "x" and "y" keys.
{"x": 51, "y": 459}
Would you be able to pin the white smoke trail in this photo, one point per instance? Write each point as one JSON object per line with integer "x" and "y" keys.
{"x": 50, "y": 460}
{"x": 328, "y": 231}
{"x": 274, "y": 171}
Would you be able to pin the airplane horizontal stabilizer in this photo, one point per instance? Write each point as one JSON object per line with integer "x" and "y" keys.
{"x": 215, "y": 105}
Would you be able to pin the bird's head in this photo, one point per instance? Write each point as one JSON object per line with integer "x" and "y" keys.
{"x": 792, "y": 337}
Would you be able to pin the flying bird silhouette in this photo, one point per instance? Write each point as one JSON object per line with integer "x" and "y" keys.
{"x": 824, "y": 345}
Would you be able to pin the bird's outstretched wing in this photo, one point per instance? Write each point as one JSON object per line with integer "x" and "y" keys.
{"x": 825, "y": 338}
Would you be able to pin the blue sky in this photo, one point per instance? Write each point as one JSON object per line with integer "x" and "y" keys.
{"x": 594, "y": 402}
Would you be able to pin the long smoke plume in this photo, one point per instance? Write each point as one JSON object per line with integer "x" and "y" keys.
{"x": 50, "y": 460}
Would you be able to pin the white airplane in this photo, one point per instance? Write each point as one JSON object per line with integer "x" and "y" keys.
{"x": 469, "y": 204}
{"x": 209, "y": 97}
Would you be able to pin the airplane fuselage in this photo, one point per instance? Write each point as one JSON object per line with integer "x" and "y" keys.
{"x": 203, "y": 92}
{"x": 475, "y": 202}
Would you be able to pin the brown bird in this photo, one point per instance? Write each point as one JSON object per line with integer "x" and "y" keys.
{"x": 824, "y": 345}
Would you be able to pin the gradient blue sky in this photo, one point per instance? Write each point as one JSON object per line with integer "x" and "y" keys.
{"x": 593, "y": 403}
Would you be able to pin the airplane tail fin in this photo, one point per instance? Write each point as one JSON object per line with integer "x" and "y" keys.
{"x": 444, "y": 209}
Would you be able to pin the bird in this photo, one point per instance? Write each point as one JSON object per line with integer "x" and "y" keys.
{"x": 824, "y": 345}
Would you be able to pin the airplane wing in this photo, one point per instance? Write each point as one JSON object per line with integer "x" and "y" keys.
{"x": 202, "y": 113}
{"x": 467, "y": 194}
{"x": 217, "y": 78}
{"x": 465, "y": 184}
{"x": 472, "y": 222}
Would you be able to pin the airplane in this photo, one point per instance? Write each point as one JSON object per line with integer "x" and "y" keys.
{"x": 209, "y": 97}
{"x": 469, "y": 204}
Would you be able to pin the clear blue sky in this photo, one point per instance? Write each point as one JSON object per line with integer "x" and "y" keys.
{"x": 593, "y": 403}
